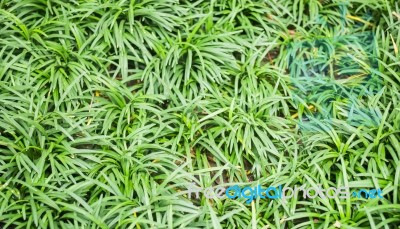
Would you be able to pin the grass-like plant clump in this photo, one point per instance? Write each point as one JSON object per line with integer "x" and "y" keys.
{"x": 111, "y": 109}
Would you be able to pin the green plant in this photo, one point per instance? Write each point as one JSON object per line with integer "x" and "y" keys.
{"x": 110, "y": 108}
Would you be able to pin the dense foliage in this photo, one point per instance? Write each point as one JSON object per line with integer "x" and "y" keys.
{"x": 111, "y": 108}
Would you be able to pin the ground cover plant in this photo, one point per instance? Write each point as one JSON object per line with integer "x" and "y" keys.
{"x": 109, "y": 109}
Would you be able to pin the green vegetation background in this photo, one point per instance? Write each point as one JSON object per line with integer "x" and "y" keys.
{"x": 110, "y": 108}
